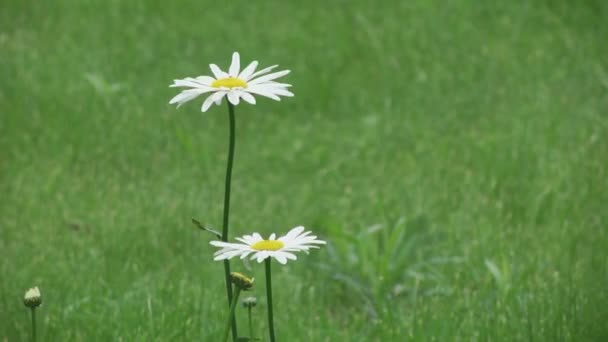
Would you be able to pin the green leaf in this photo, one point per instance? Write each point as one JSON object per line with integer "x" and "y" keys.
{"x": 200, "y": 226}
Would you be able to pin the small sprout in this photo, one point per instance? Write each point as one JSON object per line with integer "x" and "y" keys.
{"x": 242, "y": 281}
{"x": 249, "y": 302}
{"x": 32, "y": 298}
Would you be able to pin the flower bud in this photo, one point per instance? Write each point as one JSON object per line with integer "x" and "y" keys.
{"x": 249, "y": 302}
{"x": 241, "y": 280}
{"x": 32, "y": 298}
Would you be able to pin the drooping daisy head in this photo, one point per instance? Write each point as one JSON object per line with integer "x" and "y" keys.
{"x": 234, "y": 84}
{"x": 281, "y": 249}
{"x": 242, "y": 281}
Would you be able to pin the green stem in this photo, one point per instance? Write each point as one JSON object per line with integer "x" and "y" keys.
{"x": 227, "y": 210}
{"x": 269, "y": 300}
{"x": 235, "y": 299}
{"x": 34, "y": 324}
{"x": 250, "y": 323}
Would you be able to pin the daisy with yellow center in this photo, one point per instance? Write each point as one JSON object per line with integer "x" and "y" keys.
{"x": 281, "y": 249}
{"x": 234, "y": 84}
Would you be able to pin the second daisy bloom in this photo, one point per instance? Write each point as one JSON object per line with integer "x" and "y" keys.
{"x": 281, "y": 249}
{"x": 234, "y": 84}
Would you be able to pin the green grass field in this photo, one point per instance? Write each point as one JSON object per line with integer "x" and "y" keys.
{"x": 454, "y": 154}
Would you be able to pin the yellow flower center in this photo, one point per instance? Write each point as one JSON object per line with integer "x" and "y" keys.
{"x": 229, "y": 82}
{"x": 268, "y": 245}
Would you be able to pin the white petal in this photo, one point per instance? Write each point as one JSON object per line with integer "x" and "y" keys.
{"x": 261, "y": 72}
{"x": 270, "y": 84}
{"x": 245, "y": 254}
{"x": 217, "y": 71}
{"x": 270, "y": 89}
{"x": 221, "y": 251}
{"x": 262, "y": 92}
{"x": 199, "y": 81}
{"x": 290, "y": 256}
{"x": 247, "y": 97}
{"x": 250, "y": 239}
{"x": 187, "y": 82}
{"x": 233, "y": 97}
{"x": 209, "y": 101}
{"x": 235, "y": 66}
{"x": 292, "y": 233}
{"x": 205, "y": 80}
{"x": 229, "y": 245}
{"x": 280, "y": 258}
{"x": 186, "y": 96}
{"x": 219, "y": 95}
{"x": 218, "y": 243}
{"x": 228, "y": 255}
{"x": 276, "y": 84}
{"x": 248, "y": 70}
{"x": 269, "y": 77}
{"x": 260, "y": 256}
{"x": 287, "y": 255}
{"x": 243, "y": 240}
{"x": 272, "y": 236}
{"x": 220, "y": 257}
{"x": 283, "y": 92}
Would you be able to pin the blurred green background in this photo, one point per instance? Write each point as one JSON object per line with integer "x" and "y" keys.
{"x": 453, "y": 153}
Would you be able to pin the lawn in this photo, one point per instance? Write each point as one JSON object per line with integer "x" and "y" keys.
{"x": 454, "y": 154}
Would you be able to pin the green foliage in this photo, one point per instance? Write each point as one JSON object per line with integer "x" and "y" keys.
{"x": 379, "y": 264}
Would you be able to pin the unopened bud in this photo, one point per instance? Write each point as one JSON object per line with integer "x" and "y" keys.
{"x": 241, "y": 280}
{"x": 249, "y": 302}
{"x": 32, "y": 298}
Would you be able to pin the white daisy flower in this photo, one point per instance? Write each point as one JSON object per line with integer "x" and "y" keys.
{"x": 234, "y": 84}
{"x": 281, "y": 249}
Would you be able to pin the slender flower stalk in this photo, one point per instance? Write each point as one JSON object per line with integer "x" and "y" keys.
{"x": 250, "y": 323}
{"x": 269, "y": 300}
{"x": 249, "y": 303}
{"x": 235, "y": 299}
{"x": 33, "y": 324}
{"x": 32, "y": 300}
{"x": 230, "y": 162}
